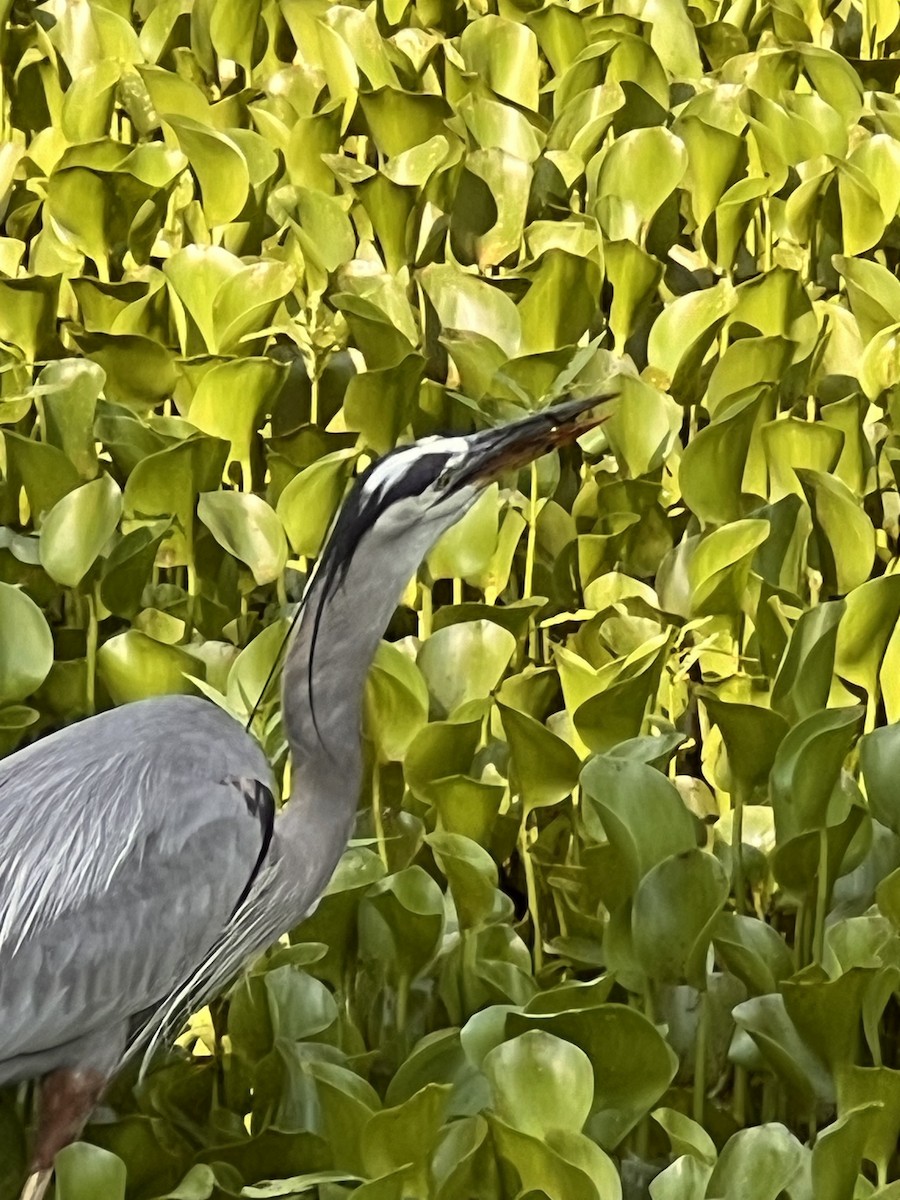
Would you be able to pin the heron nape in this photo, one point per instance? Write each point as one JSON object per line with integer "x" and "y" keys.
{"x": 142, "y": 864}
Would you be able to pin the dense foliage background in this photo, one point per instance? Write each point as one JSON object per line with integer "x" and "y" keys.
{"x": 625, "y": 897}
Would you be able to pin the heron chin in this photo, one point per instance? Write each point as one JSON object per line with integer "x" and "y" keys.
{"x": 141, "y": 861}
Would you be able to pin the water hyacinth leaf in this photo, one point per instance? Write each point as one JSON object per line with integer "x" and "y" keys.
{"x": 134, "y": 666}
{"x": 688, "y": 326}
{"x": 878, "y": 1086}
{"x": 246, "y": 302}
{"x": 466, "y": 549}
{"x": 686, "y": 1136}
{"x": 634, "y": 276}
{"x": 543, "y": 768}
{"x": 846, "y": 541}
{"x": 791, "y": 444}
{"x": 401, "y": 919}
{"x": 28, "y": 308}
{"x": 232, "y": 397}
{"x": 807, "y": 767}
{"x": 617, "y": 713}
{"x": 871, "y": 611}
{"x": 505, "y": 55}
{"x": 463, "y": 302}
{"x": 642, "y": 427}
{"x": 625, "y": 206}
{"x": 405, "y": 1134}
{"x": 837, "y": 1154}
{"x": 219, "y": 165}
{"x": 127, "y": 569}
{"x": 471, "y": 875}
{"x": 245, "y": 526}
{"x": 168, "y": 483}
{"x": 712, "y": 468}
{"x": 307, "y": 505}
{"x": 540, "y": 1083}
{"x": 641, "y": 814}
{"x": 381, "y": 403}
{"x": 68, "y": 406}
{"x": 720, "y": 566}
{"x": 84, "y": 1172}
{"x": 751, "y": 734}
{"x": 675, "y": 907}
{"x": 873, "y": 292}
{"x": 765, "y": 1019}
{"x": 803, "y": 681}
{"x": 484, "y": 645}
{"x": 632, "y": 1063}
{"x": 324, "y": 230}
{"x": 466, "y": 806}
{"x": 752, "y": 951}
{"x": 826, "y": 1012}
{"x": 538, "y": 1169}
{"x": 879, "y": 757}
{"x": 757, "y": 1164}
{"x": 440, "y": 750}
{"x": 196, "y": 274}
{"x": 232, "y": 29}
{"x": 42, "y": 470}
{"x": 396, "y": 702}
{"x": 78, "y": 528}
{"x": 561, "y": 303}
{"x": 26, "y": 645}
{"x": 685, "y": 1179}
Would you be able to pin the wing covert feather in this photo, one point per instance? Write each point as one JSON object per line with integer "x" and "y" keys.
{"x": 125, "y": 846}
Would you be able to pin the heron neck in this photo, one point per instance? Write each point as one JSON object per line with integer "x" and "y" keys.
{"x": 326, "y": 668}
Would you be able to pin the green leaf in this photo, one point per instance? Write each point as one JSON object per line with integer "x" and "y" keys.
{"x": 134, "y": 666}
{"x": 642, "y": 816}
{"x": 807, "y": 768}
{"x": 245, "y": 526}
{"x": 308, "y": 504}
{"x": 540, "y": 1083}
{"x": 84, "y": 1172}
{"x": 675, "y": 907}
{"x": 484, "y": 646}
{"x": 505, "y": 55}
{"x": 26, "y": 645}
{"x": 757, "y": 1164}
{"x": 543, "y": 768}
{"x": 219, "y": 165}
{"x": 78, "y": 528}
{"x": 879, "y": 758}
{"x": 712, "y": 468}
{"x": 637, "y": 173}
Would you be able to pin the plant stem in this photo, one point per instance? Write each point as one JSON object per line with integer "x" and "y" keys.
{"x": 377, "y": 817}
{"x": 737, "y": 847}
{"x": 821, "y": 896}
{"x": 530, "y": 546}
{"x": 91, "y": 655}
{"x": 425, "y": 610}
{"x": 531, "y": 889}
{"x": 700, "y": 1058}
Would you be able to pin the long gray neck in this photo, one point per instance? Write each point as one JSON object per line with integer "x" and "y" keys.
{"x": 326, "y": 668}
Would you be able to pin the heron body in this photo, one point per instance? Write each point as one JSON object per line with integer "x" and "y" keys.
{"x": 142, "y": 862}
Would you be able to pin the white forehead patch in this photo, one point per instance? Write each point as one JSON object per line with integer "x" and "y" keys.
{"x": 388, "y": 471}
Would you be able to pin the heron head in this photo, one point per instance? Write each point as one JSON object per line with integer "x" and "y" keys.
{"x": 430, "y": 484}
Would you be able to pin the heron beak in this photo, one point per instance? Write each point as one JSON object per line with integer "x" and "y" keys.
{"x": 509, "y": 447}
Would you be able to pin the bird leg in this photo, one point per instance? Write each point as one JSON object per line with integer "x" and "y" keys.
{"x": 67, "y": 1098}
{"x": 36, "y": 1185}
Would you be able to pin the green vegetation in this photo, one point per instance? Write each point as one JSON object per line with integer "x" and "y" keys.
{"x": 626, "y": 891}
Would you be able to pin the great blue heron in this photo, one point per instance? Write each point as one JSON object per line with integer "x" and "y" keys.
{"x": 141, "y": 861}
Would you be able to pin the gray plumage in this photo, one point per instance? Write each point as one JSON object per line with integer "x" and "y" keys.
{"x": 141, "y": 860}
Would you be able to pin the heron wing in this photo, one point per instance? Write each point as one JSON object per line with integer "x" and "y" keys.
{"x": 127, "y": 842}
